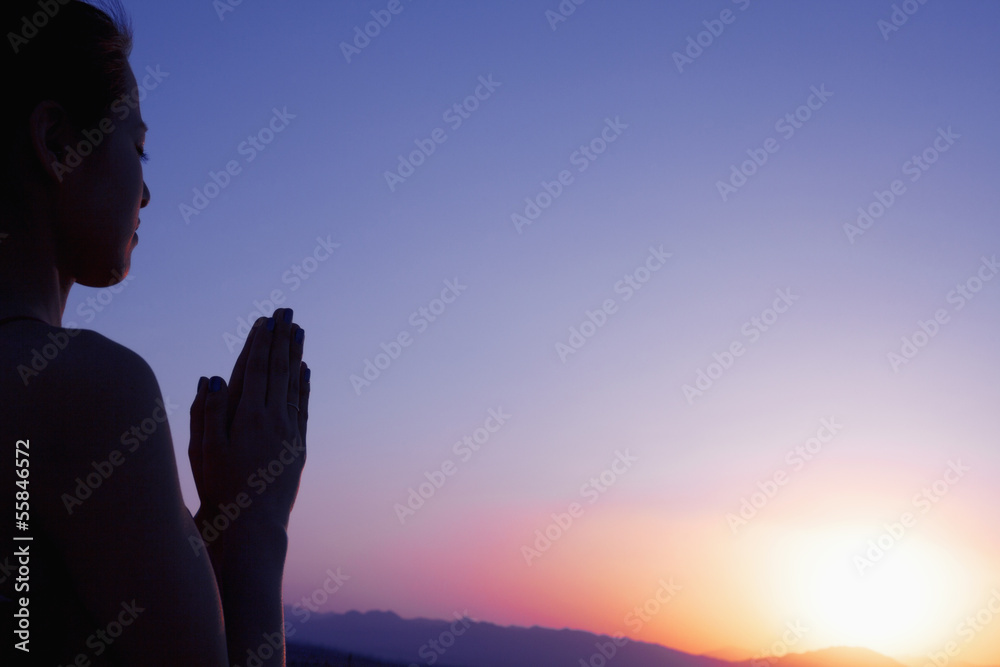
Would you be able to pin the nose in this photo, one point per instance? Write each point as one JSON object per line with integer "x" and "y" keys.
{"x": 145, "y": 195}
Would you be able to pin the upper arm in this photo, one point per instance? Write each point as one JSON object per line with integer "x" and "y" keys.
{"x": 130, "y": 544}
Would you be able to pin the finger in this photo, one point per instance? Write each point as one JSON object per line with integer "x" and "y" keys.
{"x": 298, "y": 337}
{"x": 239, "y": 373}
{"x": 277, "y": 386}
{"x": 255, "y": 378}
{"x": 197, "y": 431}
{"x": 216, "y": 435}
{"x": 304, "y": 389}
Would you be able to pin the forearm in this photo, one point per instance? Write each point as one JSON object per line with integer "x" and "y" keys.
{"x": 249, "y": 561}
{"x": 213, "y": 544}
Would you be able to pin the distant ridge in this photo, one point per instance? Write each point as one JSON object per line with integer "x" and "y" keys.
{"x": 303, "y": 655}
{"x": 385, "y": 636}
{"x": 398, "y": 642}
{"x": 922, "y": 662}
{"x": 837, "y": 657}
{"x": 730, "y": 653}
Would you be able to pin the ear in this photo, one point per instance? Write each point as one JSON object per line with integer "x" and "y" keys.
{"x": 51, "y": 134}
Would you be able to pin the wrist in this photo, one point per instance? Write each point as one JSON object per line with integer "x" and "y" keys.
{"x": 251, "y": 556}
{"x": 222, "y": 527}
{"x": 248, "y": 532}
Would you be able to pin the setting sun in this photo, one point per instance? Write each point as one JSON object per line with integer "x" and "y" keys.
{"x": 904, "y": 603}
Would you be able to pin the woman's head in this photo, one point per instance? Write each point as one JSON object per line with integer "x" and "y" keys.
{"x": 70, "y": 148}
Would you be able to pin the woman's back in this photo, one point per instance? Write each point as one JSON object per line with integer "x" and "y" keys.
{"x": 33, "y": 429}
{"x": 94, "y": 490}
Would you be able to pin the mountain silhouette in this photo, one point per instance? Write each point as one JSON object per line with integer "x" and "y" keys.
{"x": 837, "y": 657}
{"x": 307, "y": 655}
{"x": 329, "y": 639}
{"x": 385, "y": 636}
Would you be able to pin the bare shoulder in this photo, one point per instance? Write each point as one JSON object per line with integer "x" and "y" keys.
{"x": 51, "y": 361}
{"x": 106, "y": 494}
{"x": 87, "y": 358}
{"x": 88, "y": 402}
{"x": 57, "y": 377}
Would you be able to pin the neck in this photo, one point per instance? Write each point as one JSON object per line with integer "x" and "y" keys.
{"x": 31, "y": 284}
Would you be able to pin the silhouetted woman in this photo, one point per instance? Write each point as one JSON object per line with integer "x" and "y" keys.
{"x": 116, "y": 570}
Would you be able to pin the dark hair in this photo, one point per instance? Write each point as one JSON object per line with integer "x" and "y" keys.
{"x": 68, "y": 51}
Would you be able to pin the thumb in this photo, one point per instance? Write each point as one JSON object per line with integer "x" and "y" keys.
{"x": 198, "y": 435}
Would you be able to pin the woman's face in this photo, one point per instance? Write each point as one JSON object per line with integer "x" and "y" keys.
{"x": 101, "y": 196}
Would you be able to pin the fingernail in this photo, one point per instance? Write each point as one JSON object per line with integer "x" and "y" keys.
{"x": 216, "y": 384}
{"x": 308, "y": 374}
{"x": 270, "y": 324}
{"x": 288, "y": 315}
{"x": 201, "y": 383}
{"x": 300, "y": 336}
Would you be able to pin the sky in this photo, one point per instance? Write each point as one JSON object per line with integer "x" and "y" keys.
{"x": 675, "y": 320}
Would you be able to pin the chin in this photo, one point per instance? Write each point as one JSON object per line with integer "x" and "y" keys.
{"x": 107, "y": 276}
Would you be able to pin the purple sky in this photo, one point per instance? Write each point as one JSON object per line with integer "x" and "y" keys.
{"x": 562, "y": 222}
